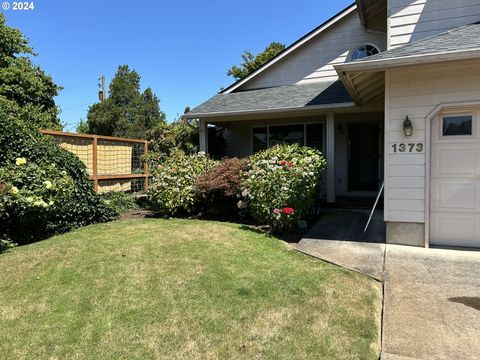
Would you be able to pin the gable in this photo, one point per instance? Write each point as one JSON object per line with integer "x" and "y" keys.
{"x": 314, "y": 61}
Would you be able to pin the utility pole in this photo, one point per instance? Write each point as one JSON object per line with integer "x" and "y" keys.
{"x": 102, "y": 95}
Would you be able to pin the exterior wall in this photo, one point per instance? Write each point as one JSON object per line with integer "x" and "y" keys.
{"x": 412, "y": 20}
{"x": 313, "y": 62}
{"x": 411, "y": 234}
{"x": 417, "y": 91}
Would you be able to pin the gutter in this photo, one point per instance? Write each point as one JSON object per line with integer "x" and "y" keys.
{"x": 383, "y": 64}
{"x": 325, "y": 107}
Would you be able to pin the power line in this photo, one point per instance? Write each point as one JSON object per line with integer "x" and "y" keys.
{"x": 79, "y": 85}
{"x": 76, "y": 106}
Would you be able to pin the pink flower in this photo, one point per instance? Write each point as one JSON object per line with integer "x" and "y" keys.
{"x": 276, "y": 211}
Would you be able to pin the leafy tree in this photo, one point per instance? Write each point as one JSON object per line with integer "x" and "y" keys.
{"x": 82, "y": 127}
{"x": 253, "y": 62}
{"x": 26, "y": 91}
{"x": 126, "y": 112}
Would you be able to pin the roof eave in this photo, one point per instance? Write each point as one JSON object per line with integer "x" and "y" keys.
{"x": 324, "y": 107}
{"x": 384, "y": 64}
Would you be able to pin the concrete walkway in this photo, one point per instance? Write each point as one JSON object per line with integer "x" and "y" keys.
{"x": 432, "y": 304}
{"x": 432, "y": 296}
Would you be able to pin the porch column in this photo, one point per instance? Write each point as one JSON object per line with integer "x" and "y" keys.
{"x": 203, "y": 134}
{"x": 330, "y": 158}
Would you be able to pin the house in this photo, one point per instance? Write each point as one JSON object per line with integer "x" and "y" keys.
{"x": 389, "y": 90}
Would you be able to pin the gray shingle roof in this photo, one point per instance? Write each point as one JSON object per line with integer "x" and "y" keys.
{"x": 276, "y": 98}
{"x": 459, "y": 39}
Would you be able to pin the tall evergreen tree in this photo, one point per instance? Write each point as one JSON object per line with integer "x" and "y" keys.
{"x": 126, "y": 112}
{"x": 26, "y": 91}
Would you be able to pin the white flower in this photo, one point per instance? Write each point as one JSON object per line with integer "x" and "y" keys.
{"x": 20, "y": 161}
{"x": 48, "y": 184}
{"x": 40, "y": 203}
{"x": 14, "y": 190}
{"x": 241, "y": 204}
{"x": 50, "y": 203}
{"x": 29, "y": 199}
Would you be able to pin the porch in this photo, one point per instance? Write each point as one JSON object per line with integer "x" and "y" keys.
{"x": 352, "y": 142}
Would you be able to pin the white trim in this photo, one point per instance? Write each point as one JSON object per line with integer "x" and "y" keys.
{"x": 386, "y": 150}
{"x": 294, "y": 47}
{"x": 330, "y": 158}
{"x": 271, "y": 111}
{"x": 437, "y": 111}
{"x": 381, "y": 64}
{"x": 203, "y": 136}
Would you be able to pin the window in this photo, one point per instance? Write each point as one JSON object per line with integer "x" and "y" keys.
{"x": 315, "y": 136}
{"x": 302, "y": 134}
{"x": 260, "y": 139}
{"x": 286, "y": 134}
{"x": 363, "y": 52}
{"x": 457, "y": 125}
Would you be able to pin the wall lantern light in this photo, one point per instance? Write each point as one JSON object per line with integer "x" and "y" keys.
{"x": 408, "y": 127}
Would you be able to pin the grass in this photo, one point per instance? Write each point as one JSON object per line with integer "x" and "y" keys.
{"x": 180, "y": 289}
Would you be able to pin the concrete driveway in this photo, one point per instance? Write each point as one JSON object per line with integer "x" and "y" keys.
{"x": 431, "y": 304}
{"x": 431, "y": 296}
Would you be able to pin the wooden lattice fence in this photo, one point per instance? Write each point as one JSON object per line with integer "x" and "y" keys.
{"x": 113, "y": 164}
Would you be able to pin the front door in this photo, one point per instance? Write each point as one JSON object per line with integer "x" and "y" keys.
{"x": 363, "y": 157}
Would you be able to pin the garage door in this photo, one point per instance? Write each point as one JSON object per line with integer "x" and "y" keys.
{"x": 455, "y": 181}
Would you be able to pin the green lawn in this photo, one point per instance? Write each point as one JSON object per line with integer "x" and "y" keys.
{"x": 181, "y": 289}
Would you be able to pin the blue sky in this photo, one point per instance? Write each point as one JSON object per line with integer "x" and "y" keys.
{"x": 181, "y": 48}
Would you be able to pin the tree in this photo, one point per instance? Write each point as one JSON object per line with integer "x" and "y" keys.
{"x": 82, "y": 127}
{"x": 126, "y": 112}
{"x": 253, "y": 62}
{"x": 26, "y": 91}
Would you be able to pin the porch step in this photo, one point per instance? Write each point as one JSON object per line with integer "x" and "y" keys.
{"x": 348, "y": 225}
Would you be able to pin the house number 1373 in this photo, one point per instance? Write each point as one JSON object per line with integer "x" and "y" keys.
{"x": 408, "y": 147}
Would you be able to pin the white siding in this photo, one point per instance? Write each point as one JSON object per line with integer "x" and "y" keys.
{"x": 412, "y": 20}
{"x": 313, "y": 62}
{"x": 416, "y": 91}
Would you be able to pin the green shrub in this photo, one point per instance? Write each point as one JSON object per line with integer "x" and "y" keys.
{"x": 120, "y": 202}
{"x": 279, "y": 184}
{"x": 173, "y": 191}
{"x": 5, "y": 245}
{"x": 46, "y": 189}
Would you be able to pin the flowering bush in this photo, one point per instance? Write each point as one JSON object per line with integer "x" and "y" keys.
{"x": 279, "y": 184}
{"x": 45, "y": 189}
{"x": 173, "y": 190}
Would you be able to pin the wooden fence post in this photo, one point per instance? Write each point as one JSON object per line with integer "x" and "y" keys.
{"x": 95, "y": 164}
{"x": 145, "y": 166}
